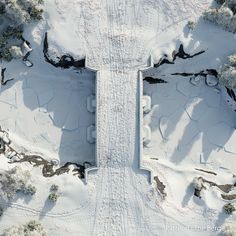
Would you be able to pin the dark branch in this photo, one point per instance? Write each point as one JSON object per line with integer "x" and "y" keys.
{"x": 152, "y": 80}
{"x": 3, "y": 81}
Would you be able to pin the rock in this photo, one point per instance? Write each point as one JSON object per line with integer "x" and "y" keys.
{"x": 91, "y": 134}
{"x": 55, "y": 162}
{"x": 197, "y": 193}
{"x": 25, "y": 48}
{"x": 16, "y": 52}
{"x": 146, "y": 103}
{"x": 28, "y": 63}
{"x": 91, "y": 103}
{"x": 4, "y": 137}
{"x": 195, "y": 80}
{"x": 146, "y": 135}
{"x": 211, "y": 81}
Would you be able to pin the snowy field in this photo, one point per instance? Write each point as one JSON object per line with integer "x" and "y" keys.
{"x": 44, "y": 110}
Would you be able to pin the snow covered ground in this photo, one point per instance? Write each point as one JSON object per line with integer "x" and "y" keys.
{"x": 44, "y": 109}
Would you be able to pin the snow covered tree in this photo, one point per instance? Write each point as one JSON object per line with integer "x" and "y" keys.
{"x": 54, "y": 188}
{"x": 16, "y": 14}
{"x": 198, "y": 183}
{"x": 227, "y": 76}
{"x": 29, "y": 190}
{"x": 223, "y": 15}
{"x": 229, "y": 230}
{"x": 19, "y": 12}
{"x": 53, "y": 197}
{"x": 229, "y": 208}
{"x": 13, "y": 181}
{"x": 32, "y": 228}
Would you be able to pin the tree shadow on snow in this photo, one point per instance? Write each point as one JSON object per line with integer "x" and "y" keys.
{"x": 202, "y": 111}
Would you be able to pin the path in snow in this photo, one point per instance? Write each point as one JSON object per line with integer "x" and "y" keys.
{"x": 118, "y": 211}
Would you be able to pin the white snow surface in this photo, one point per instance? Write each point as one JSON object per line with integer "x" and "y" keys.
{"x": 45, "y": 111}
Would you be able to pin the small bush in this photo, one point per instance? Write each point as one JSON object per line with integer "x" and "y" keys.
{"x": 229, "y": 208}
{"x": 32, "y": 228}
{"x": 29, "y": 190}
{"x": 53, "y": 197}
{"x": 54, "y": 188}
{"x": 20, "y": 12}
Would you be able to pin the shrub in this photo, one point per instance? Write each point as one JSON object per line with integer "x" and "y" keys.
{"x": 32, "y": 228}
{"x": 53, "y": 197}
{"x": 229, "y": 208}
